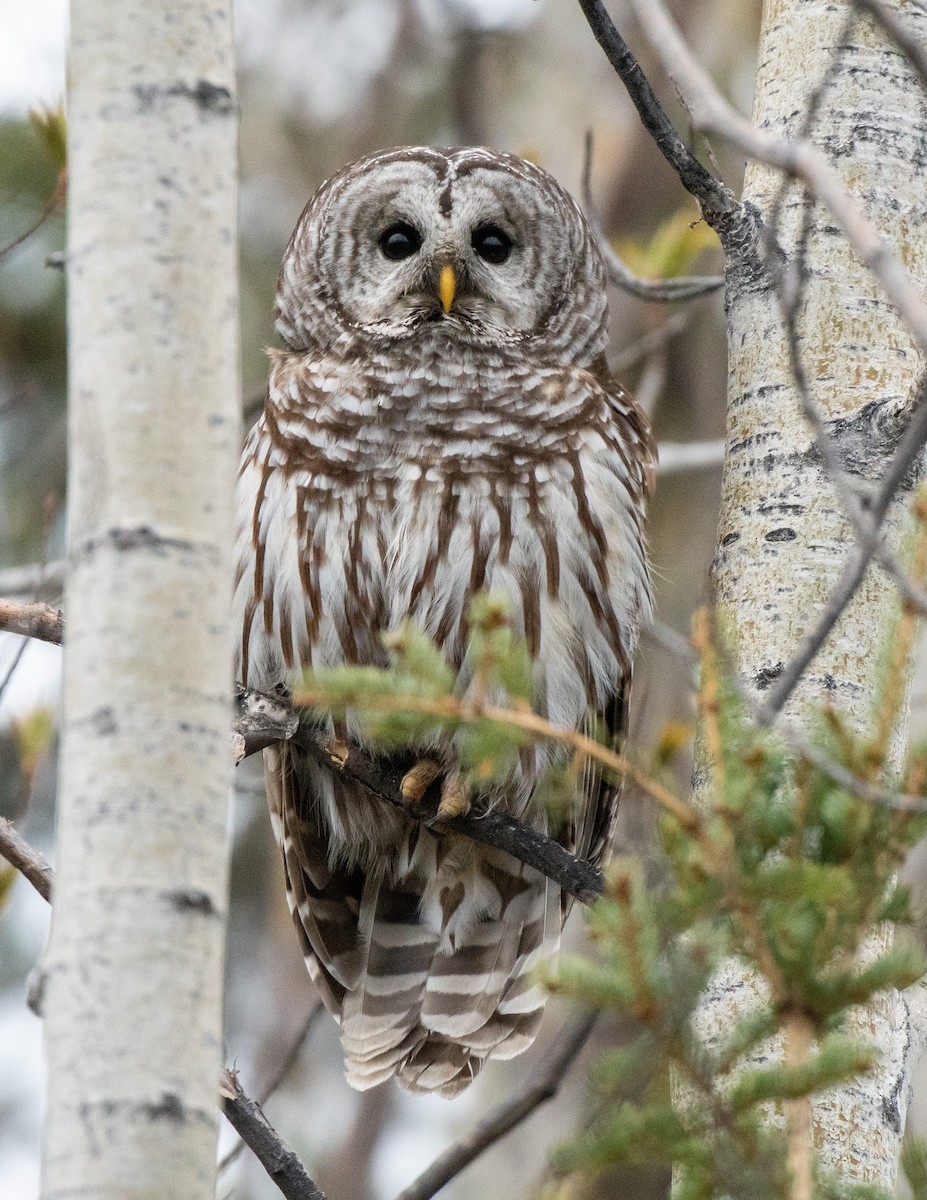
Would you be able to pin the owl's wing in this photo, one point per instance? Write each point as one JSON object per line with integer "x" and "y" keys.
{"x": 594, "y": 825}
{"x": 592, "y": 831}
{"x": 325, "y": 903}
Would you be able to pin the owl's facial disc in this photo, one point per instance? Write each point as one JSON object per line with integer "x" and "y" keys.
{"x": 507, "y": 241}
{"x": 468, "y": 245}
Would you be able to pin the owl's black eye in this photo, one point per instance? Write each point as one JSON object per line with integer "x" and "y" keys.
{"x": 400, "y": 241}
{"x": 491, "y": 243}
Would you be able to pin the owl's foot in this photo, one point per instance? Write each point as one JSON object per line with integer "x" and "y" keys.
{"x": 455, "y": 800}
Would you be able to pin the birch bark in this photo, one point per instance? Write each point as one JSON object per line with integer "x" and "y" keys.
{"x": 133, "y": 970}
{"x": 783, "y": 536}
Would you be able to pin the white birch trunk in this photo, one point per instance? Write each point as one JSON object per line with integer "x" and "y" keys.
{"x": 133, "y": 971}
{"x": 783, "y": 538}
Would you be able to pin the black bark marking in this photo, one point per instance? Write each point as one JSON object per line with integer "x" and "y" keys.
{"x": 192, "y": 900}
{"x": 765, "y": 677}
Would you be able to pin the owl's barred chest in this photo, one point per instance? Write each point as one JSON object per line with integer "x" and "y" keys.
{"x": 364, "y": 513}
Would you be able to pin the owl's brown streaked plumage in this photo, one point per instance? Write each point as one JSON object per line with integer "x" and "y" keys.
{"x": 442, "y": 420}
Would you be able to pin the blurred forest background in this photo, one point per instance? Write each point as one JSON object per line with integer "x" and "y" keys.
{"x": 321, "y": 82}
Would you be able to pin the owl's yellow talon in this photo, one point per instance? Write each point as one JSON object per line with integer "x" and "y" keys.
{"x": 455, "y": 799}
{"x": 417, "y": 781}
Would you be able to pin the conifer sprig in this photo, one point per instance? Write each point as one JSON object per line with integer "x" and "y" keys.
{"x": 784, "y": 867}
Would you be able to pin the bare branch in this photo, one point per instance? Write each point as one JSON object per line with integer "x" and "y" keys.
{"x": 279, "y": 1074}
{"x": 29, "y": 862}
{"x": 689, "y": 456}
{"x": 641, "y": 349}
{"x": 716, "y": 199}
{"x": 681, "y": 287}
{"x": 544, "y": 1086}
{"x": 280, "y": 1162}
{"x": 711, "y": 113}
{"x": 55, "y": 202}
{"x": 39, "y": 621}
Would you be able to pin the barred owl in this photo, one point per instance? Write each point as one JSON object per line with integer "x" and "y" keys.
{"x": 442, "y": 420}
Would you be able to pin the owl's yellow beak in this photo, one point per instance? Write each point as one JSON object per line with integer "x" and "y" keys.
{"x": 447, "y": 286}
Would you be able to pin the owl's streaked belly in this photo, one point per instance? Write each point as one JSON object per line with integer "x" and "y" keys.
{"x": 339, "y": 562}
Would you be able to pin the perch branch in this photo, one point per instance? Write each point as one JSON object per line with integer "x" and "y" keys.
{"x": 262, "y": 720}
{"x": 383, "y": 778}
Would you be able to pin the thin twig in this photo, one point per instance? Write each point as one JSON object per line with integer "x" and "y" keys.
{"x": 53, "y": 205}
{"x": 280, "y": 1162}
{"x": 799, "y": 1040}
{"x": 681, "y": 287}
{"x": 450, "y": 707}
{"x": 286, "y": 1064}
{"x": 645, "y": 345}
{"x": 675, "y": 457}
{"x": 29, "y": 862}
{"x": 33, "y": 579}
{"x": 12, "y": 668}
{"x": 711, "y": 193}
{"x": 544, "y": 1086}
{"x": 910, "y": 45}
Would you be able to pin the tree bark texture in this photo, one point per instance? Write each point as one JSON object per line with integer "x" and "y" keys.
{"x": 133, "y": 970}
{"x": 783, "y": 536}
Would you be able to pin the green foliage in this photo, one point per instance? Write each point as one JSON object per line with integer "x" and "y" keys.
{"x": 790, "y": 873}
{"x": 914, "y": 1165}
{"x": 413, "y": 702}
{"x": 784, "y": 869}
{"x": 674, "y": 248}
{"x": 52, "y": 127}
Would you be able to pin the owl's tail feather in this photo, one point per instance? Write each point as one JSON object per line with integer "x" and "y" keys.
{"x": 482, "y": 1000}
{"x": 380, "y": 1015}
{"x": 432, "y": 1005}
{"x": 430, "y": 973}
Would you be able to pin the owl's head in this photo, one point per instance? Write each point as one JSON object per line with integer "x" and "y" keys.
{"x": 466, "y": 244}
